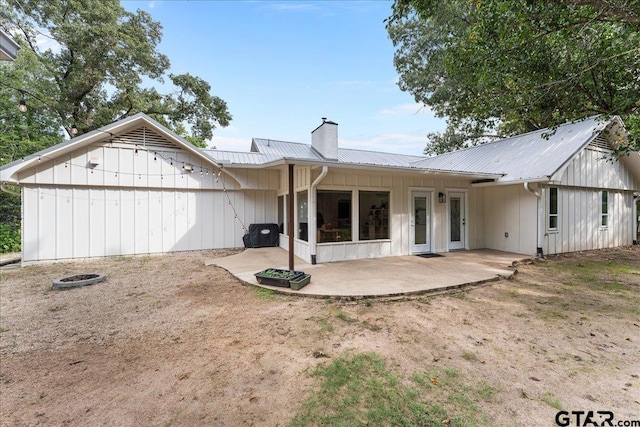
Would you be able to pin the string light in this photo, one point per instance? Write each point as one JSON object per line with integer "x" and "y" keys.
{"x": 216, "y": 173}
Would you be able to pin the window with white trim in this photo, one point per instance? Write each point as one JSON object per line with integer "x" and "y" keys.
{"x": 604, "y": 212}
{"x": 552, "y": 223}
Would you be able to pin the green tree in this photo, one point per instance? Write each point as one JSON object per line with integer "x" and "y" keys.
{"x": 98, "y": 68}
{"x": 495, "y": 68}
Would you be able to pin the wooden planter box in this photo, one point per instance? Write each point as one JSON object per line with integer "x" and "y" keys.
{"x": 300, "y": 282}
{"x": 277, "y": 277}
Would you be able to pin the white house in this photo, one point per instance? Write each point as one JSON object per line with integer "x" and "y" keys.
{"x": 8, "y": 47}
{"x": 134, "y": 187}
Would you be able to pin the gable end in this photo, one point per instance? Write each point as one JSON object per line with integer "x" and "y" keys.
{"x": 600, "y": 143}
{"x": 145, "y": 138}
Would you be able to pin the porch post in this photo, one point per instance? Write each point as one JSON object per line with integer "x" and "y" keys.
{"x": 290, "y": 225}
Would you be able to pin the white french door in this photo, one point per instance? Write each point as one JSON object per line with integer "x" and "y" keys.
{"x": 456, "y": 221}
{"x": 420, "y": 222}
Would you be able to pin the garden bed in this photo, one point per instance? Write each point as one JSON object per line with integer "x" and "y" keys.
{"x": 277, "y": 277}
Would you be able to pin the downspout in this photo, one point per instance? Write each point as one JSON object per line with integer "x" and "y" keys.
{"x": 538, "y": 196}
{"x": 6, "y": 190}
{"x": 313, "y": 215}
{"x": 635, "y": 217}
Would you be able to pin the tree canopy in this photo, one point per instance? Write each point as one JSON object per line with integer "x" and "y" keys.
{"x": 495, "y": 68}
{"x": 87, "y": 63}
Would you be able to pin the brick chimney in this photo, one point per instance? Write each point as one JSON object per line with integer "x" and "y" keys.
{"x": 324, "y": 139}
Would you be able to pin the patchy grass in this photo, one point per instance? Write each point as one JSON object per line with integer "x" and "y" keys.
{"x": 551, "y": 400}
{"x": 361, "y": 390}
{"x": 264, "y": 293}
{"x": 345, "y": 317}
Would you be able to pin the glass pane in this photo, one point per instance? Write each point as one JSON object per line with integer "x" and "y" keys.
{"x": 553, "y": 222}
{"x": 374, "y": 215}
{"x": 420, "y": 215}
{"x": 604, "y": 220}
{"x": 553, "y": 200}
{"x": 333, "y": 216}
{"x": 281, "y": 213}
{"x": 605, "y": 197}
{"x": 454, "y": 209}
{"x": 303, "y": 208}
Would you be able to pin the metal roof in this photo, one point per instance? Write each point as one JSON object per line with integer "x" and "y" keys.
{"x": 294, "y": 150}
{"x": 534, "y": 155}
{"x": 241, "y": 158}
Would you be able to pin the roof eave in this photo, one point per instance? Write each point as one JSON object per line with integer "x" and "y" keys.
{"x": 7, "y": 172}
{"x": 343, "y": 165}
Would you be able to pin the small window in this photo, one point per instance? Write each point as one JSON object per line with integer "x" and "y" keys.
{"x": 553, "y": 208}
{"x": 604, "y": 214}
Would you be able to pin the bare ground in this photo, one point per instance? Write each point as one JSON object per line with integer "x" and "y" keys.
{"x": 168, "y": 341}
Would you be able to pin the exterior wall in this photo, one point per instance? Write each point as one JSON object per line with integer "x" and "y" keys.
{"x": 399, "y": 187}
{"x": 133, "y": 204}
{"x": 590, "y": 169}
{"x": 510, "y": 218}
{"x": 579, "y": 204}
{"x": 66, "y": 222}
{"x": 119, "y": 166}
{"x": 579, "y": 219}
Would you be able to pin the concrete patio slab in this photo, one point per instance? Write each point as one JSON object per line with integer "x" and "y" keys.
{"x": 376, "y": 277}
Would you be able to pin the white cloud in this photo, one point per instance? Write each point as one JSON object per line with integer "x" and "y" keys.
{"x": 411, "y": 109}
{"x": 291, "y": 6}
{"x": 45, "y": 43}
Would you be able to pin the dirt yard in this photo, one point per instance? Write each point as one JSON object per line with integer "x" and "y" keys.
{"x": 167, "y": 341}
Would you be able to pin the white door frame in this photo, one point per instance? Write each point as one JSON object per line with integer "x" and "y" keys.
{"x": 464, "y": 235}
{"x": 427, "y": 193}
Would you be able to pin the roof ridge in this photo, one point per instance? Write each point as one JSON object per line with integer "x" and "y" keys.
{"x": 515, "y": 136}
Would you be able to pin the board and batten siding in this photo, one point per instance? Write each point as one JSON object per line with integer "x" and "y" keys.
{"x": 140, "y": 203}
{"x": 399, "y": 186}
{"x": 510, "y": 214}
{"x": 579, "y": 220}
{"x": 66, "y": 222}
{"x": 580, "y": 187}
{"x": 591, "y": 169}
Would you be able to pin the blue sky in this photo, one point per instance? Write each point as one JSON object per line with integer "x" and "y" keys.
{"x": 283, "y": 65}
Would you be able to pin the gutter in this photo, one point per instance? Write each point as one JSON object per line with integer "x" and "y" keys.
{"x": 313, "y": 216}
{"x": 538, "y": 196}
{"x": 636, "y": 198}
{"x": 6, "y": 190}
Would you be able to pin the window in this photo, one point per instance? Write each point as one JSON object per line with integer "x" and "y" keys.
{"x": 303, "y": 214}
{"x": 374, "y": 215}
{"x": 334, "y": 216}
{"x": 281, "y": 223}
{"x": 553, "y": 208}
{"x": 604, "y": 214}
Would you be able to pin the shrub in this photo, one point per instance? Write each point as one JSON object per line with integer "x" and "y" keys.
{"x": 9, "y": 237}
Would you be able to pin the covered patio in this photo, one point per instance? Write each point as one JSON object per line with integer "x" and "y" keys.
{"x": 377, "y": 277}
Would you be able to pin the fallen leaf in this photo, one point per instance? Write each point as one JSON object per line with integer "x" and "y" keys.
{"x": 434, "y": 381}
{"x": 534, "y": 379}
